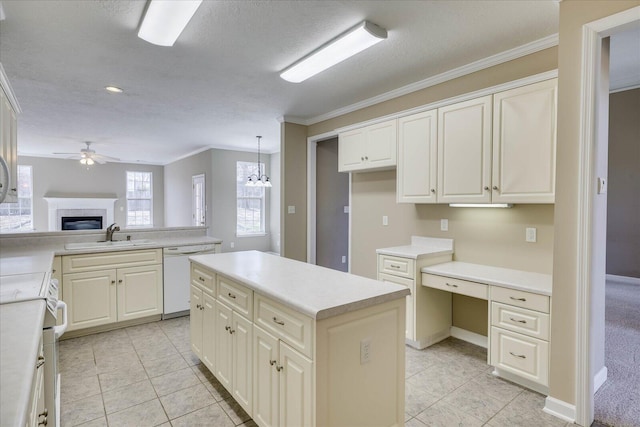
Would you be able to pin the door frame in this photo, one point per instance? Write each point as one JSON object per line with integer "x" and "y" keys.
{"x": 312, "y": 146}
{"x": 592, "y": 35}
{"x": 194, "y": 178}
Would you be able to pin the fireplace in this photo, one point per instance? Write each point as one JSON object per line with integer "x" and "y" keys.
{"x": 81, "y": 223}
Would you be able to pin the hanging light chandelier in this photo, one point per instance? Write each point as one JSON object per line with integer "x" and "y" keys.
{"x": 259, "y": 179}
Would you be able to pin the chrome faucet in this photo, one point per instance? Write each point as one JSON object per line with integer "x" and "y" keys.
{"x": 110, "y": 230}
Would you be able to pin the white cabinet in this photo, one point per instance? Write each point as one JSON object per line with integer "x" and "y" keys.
{"x": 524, "y": 144}
{"x": 202, "y": 326}
{"x": 368, "y": 148}
{"x": 9, "y": 143}
{"x": 37, "y": 411}
{"x": 464, "y": 152}
{"x": 417, "y": 158}
{"x": 112, "y": 287}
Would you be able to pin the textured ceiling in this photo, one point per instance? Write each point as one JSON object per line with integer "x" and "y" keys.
{"x": 218, "y": 86}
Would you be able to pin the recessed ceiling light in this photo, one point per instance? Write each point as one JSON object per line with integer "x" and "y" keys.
{"x": 113, "y": 89}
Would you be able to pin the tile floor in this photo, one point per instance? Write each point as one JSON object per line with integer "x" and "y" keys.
{"x": 146, "y": 376}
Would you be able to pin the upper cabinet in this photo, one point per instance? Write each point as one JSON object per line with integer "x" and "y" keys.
{"x": 369, "y": 148}
{"x": 499, "y": 148}
{"x": 9, "y": 136}
{"x": 524, "y": 144}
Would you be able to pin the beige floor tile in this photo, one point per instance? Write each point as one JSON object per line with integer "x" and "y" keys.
{"x": 438, "y": 380}
{"x": 174, "y": 381}
{"x": 108, "y": 362}
{"x": 122, "y": 377}
{"x": 163, "y": 366}
{"x": 186, "y": 400}
{"x": 98, "y": 422}
{"x": 444, "y": 415}
{"x": 414, "y": 422}
{"x": 417, "y": 399}
{"x": 190, "y": 358}
{"x": 471, "y": 399}
{"x": 127, "y": 396}
{"x": 234, "y": 411}
{"x": 157, "y": 352}
{"x": 146, "y": 414}
{"x": 82, "y": 410}
{"x": 78, "y": 387}
{"x": 524, "y": 411}
{"x": 212, "y": 415}
{"x": 496, "y": 387}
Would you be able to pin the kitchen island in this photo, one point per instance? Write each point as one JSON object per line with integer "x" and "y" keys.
{"x": 300, "y": 345}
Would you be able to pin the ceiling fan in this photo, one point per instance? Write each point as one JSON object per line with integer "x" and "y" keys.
{"x": 87, "y": 156}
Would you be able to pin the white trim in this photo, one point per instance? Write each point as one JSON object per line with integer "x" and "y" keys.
{"x": 624, "y": 89}
{"x": 592, "y": 34}
{"x": 500, "y": 58}
{"x": 8, "y": 90}
{"x": 599, "y": 379}
{"x": 525, "y": 382}
{"x": 560, "y": 409}
{"x": 623, "y": 279}
{"x": 468, "y": 336}
{"x": 536, "y": 78}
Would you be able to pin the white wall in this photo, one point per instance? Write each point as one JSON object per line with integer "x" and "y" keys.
{"x": 70, "y": 178}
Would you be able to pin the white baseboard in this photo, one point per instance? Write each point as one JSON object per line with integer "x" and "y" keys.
{"x": 468, "y": 336}
{"x": 560, "y": 409}
{"x": 514, "y": 378}
{"x": 623, "y": 279}
{"x": 599, "y": 379}
{"x": 427, "y": 341}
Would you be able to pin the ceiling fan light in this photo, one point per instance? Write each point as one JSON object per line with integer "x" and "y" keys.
{"x": 165, "y": 20}
{"x": 346, "y": 45}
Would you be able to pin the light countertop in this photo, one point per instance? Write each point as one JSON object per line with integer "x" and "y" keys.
{"x": 505, "y": 277}
{"x": 20, "y": 332}
{"x": 315, "y": 291}
{"x": 420, "y": 247}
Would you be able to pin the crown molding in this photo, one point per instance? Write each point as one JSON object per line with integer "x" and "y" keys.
{"x": 500, "y": 58}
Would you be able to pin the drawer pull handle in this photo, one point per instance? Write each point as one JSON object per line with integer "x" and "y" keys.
{"x": 202, "y": 307}
{"x": 197, "y": 305}
{"x": 113, "y": 282}
{"x": 279, "y": 322}
{"x": 519, "y": 356}
{"x": 516, "y": 320}
{"x": 279, "y": 368}
{"x": 453, "y": 286}
{"x": 227, "y": 328}
{"x": 201, "y": 279}
{"x": 42, "y": 422}
{"x": 232, "y": 331}
{"x": 518, "y": 299}
{"x": 394, "y": 266}
{"x": 40, "y": 361}
{"x": 231, "y": 295}
{"x": 272, "y": 362}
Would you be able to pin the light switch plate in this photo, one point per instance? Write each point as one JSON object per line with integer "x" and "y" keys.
{"x": 531, "y": 235}
{"x": 385, "y": 220}
{"x": 346, "y": 209}
{"x": 602, "y": 185}
{"x": 291, "y": 209}
{"x": 444, "y": 225}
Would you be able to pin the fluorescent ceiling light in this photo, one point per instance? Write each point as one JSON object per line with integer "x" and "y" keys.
{"x": 344, "y": 46}
{"x": 113, "y": 89}
{"x": 480, "y": 205}
{"x": 165, "y": 20}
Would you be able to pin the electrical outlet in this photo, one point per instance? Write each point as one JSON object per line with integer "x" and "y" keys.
{"x": 346, "y": 209}
{"x": 232, "y": 245}
{"x": 365, "y": 351}
{"x": 291, "y": 209}
{"x": 531, "y": 235}
{"x": 444, "y": 225}
{"x": 385, "y": 220}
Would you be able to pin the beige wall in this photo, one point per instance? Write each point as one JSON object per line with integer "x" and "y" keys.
{"x": 623, "y": 215}
{"x": 573, "y": 15}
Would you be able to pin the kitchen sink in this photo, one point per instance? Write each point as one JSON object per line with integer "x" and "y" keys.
{"x": 109, "y": 244}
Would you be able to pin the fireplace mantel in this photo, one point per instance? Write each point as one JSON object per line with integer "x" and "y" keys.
{"x": 64, "y": 205}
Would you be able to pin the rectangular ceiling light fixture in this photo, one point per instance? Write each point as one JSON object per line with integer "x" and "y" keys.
{"x": 480, "y": 205}
{"x": 165, "y": 20}
{"x": 344, "y": 46}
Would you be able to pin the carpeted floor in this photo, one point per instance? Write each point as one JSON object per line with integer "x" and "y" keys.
{"x": 617, "y": 403}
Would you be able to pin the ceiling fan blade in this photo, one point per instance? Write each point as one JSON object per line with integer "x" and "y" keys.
{"x": 66, "y": 154}
{"x": 103, "y": 157}
{"x": 100, "y": 161}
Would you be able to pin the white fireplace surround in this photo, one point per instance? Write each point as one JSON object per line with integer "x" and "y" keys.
{"x": 80, "y": 206}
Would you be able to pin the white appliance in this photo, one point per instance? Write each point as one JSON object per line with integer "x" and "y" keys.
{"x": 31, "y": 286}
{"x": 177, "y": 272}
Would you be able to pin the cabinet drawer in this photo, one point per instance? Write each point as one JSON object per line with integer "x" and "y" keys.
{"x": 104, "y": 260}
{"x": 293, "y": 328}
{"x": 203, "y": 278}
{"x": 403, "y": 267}
{"x": 516, "y": 319}
{"x": 520, "y": 298}
{"x": 521, "y": 355}
{"x": 457, "y": 286}
{"x": 236, "y": 296}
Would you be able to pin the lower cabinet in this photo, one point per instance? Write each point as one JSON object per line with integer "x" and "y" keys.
{"x": 38, "y": 413}
{"x": 202, "y": 326}
{"x": 282, "y": 381}
{"x": 98, "y": 295}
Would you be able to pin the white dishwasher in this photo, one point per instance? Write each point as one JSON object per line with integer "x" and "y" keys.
{"x": 177, "y": 280}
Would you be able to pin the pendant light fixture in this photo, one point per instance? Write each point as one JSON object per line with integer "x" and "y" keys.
{"x": 259, "y": 179}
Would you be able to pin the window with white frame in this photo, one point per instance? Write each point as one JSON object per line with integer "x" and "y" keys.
{"x": 250, "y": 201}
{"x": 139, "y": 199}
{"x": 19, "y": 216}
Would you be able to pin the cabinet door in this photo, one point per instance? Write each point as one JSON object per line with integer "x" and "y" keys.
{"x": 242, "y": 331}
{"x": 208, "y": 331}
{"x": 381, "y": 144}
{"x": 195, "y": 320}
{"x": 90, "y": 298}
{"x": 417, "y": 158}
{"x": 139, "y": 292}
{"x": 410, "y": 328}
{"x": 296, "y": 394}
{"x": 266, "y": 388}
{"x": 8, "y": 144}
{"x": 524, "y": 144}
{"x": 351, "y": 148}
{"x": 224, "y": 348}
{"x": 464, "y": 152}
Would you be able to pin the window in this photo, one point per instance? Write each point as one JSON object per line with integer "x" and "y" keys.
{"x": 250, "y": 201}
{"x": 139, "y": 198}
{"x": 19, "y": 216}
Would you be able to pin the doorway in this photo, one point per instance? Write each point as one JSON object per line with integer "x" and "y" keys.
{"x": 332, "y": 208}
{"x": 198, "y": 203}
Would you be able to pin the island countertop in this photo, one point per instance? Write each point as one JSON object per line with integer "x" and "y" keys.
{"x": 315, "y": 291}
